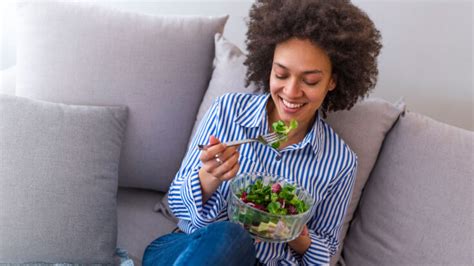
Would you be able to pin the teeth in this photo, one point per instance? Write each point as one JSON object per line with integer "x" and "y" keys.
{"x": 291, "y": 105}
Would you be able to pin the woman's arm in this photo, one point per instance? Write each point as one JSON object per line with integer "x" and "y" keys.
{"x": 318, "y": 243}
{"x": 186, "y": 197}
{"x": 323, "y": 231}
{"x": 219, "y": 163}
{"x": 302, "y": 243}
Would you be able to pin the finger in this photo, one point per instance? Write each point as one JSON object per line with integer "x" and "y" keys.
{"x": 210, "y": 154}
{"x": 213, "y": 140}
{"x": 212, "y": 164}
{"x": 216, "y": 150}
{"x": 227, "y": 169}
{"x": 220, "y": 158}
{"x": 232, "y": 173}
{"x": 305, "y": 231}
{"x": 227, "y": 153}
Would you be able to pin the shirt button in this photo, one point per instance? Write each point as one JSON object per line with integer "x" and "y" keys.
{"x": 278, "y": 157}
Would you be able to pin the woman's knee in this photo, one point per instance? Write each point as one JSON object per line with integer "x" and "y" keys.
{"x": 165, "y": 246}
{"x": 220, "y": 243}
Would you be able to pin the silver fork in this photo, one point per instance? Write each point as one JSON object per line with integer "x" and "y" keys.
{"x": 267, "y": 139}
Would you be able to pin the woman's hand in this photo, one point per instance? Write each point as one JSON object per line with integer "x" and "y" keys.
{"x": 219, "y": 163}
{"x": 302, "y": 242}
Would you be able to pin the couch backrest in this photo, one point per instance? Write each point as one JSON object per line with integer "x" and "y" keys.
{"x": 417, "y": 208}
{"x": 159, "y": 67}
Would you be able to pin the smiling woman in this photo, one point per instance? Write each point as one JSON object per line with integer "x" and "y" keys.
{"x": 304, "y": 67}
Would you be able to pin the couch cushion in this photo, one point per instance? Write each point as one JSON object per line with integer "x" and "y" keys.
{"x": 58, "y": 181}
{"x": 158, "y": 66}
{"x": 417, "y": 205}
{"x": 363, "y": 128}
{"x": 138, "y": 224}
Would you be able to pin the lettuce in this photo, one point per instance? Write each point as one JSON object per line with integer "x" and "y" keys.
{"x": 282, "y": 130}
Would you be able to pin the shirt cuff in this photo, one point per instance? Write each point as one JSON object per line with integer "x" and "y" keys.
{"x": 319, "y": 252}
{"x": 201, "y": 215}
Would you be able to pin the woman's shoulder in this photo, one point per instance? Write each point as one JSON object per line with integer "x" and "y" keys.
{"x": 238, "y": 96}
{"x": 237, "y": 100}
{"x": 332, "y": 138}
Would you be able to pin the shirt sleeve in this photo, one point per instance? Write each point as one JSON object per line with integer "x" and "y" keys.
{"x": 324, "y": 228}
{"x": 185, "y": 195}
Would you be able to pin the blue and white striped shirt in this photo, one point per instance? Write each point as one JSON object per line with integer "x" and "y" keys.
{"x": 322, "y": 163}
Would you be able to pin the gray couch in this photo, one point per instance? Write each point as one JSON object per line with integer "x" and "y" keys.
{"x": 412, "y": 201}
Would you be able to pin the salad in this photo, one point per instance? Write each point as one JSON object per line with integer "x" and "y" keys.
{"x": 274, "y": 199}
{"x": 282, "y": 130}
{"x": 277, "y": 199}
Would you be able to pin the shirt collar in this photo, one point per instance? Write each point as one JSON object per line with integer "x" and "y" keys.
{"x": 253, "y": 114}
{"x": 314, "y": 136}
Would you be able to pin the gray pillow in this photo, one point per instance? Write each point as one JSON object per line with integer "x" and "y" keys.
{"x": 416, "y": 208}
{"x": 58, "y": 181}
{"x": 159, "y": 66}
{"x": 363, "y": 128}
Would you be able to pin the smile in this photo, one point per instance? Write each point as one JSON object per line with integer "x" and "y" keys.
{"x": 291, "y": 105}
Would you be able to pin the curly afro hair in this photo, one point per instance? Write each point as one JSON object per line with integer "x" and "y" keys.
{"x": 344, "y": 31}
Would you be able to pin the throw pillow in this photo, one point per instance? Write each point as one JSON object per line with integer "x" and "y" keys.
{"x": 58, "y": 181}
{"x": 159, "y": 66}
{"x": 363, "y": 128}
{"x": 228, "y": 76}
{"x": 417, "y": 205}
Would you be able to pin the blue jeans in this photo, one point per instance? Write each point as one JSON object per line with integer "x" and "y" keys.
{"x": 220, "y": 243}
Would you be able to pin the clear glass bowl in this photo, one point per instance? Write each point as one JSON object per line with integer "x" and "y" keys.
{"x": 261, "y": 224}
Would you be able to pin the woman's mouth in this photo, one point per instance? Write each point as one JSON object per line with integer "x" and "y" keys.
{"x": 291, "y": 107}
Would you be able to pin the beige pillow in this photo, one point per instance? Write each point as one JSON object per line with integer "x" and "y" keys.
{"x": 417, "y": 206}
{"x": 227, "y": 75}
{"x": 363, "y": 128}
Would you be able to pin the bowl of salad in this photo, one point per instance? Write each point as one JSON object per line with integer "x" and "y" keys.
{"x": 271, "y": 208}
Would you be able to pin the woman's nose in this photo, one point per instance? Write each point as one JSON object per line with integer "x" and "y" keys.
{"x": 292, "y": 88}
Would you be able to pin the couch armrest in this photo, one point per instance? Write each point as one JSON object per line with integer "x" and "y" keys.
{"x": 8, "y": 80}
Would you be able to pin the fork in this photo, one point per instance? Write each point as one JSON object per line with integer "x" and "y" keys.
{"x": 266, "y": 139}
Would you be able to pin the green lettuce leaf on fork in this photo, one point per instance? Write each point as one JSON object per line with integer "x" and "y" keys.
{"x": 282, "y": 130}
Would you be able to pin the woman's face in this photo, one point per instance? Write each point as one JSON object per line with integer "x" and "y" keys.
{"x": 299, "y": 81}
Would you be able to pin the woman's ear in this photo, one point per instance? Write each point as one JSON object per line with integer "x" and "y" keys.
{"x": 332, "y": 82}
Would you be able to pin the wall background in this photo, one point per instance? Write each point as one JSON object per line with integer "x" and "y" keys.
{"x": 427, "y": 56}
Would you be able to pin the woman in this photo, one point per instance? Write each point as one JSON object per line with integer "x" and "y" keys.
{"x": 308, "y": 58}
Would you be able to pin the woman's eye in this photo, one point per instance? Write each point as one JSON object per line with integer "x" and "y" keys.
{"x": 311, "y": 83}
{"x": 280, "y": 76}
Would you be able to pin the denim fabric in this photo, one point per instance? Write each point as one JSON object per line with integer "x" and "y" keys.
{"x": 220, "y": 243}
